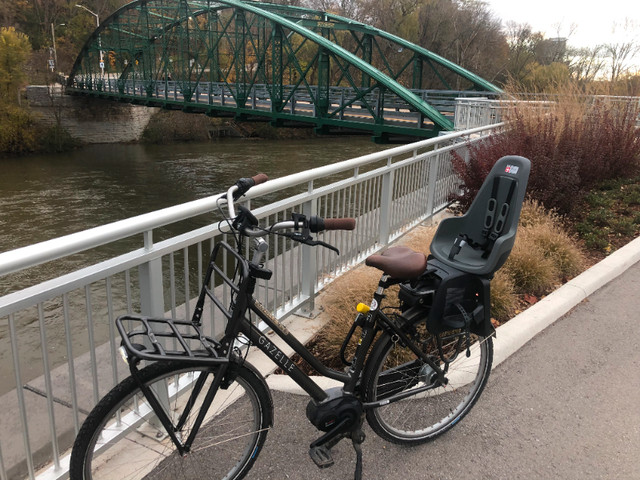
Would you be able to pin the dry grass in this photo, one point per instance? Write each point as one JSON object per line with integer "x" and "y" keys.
{"x": 504, "y": 301}
{"x": 530, "y": 270}
{"x": 544, "y": 255}
{"x": 339, "y": 302}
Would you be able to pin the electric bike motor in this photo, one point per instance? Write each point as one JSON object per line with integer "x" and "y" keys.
{"x": 333, "y": 411}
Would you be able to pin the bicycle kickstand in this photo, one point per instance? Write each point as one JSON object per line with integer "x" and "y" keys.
{"x": 357, "y": 437}
{"x": 320, "y": 450}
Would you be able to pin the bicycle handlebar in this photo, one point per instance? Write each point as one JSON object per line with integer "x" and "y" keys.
{"x": 244, "y": 184}
{"x": 246, "y": 222}
{"x": 318, "y": 224}
{"x": 259, "y": 178}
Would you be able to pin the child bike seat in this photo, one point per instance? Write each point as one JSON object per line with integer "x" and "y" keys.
{"x": 480, "y": 241}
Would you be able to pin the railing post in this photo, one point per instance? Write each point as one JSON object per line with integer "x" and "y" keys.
{"x": 431, "y": 183}
{"x": 309, "y": 274}
{"x": 151, "y": 289}
{"x": 386, "y": 204}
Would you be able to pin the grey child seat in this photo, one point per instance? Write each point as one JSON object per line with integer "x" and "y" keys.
{"x": 480, "y": 241}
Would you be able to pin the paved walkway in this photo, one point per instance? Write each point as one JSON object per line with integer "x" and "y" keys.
{"x": 564, "y": 406}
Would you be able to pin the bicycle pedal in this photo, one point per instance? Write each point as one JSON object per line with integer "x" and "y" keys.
{"x": 321, "y": 456}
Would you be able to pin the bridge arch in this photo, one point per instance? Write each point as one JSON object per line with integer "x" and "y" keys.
{"x": 257, "y": 60}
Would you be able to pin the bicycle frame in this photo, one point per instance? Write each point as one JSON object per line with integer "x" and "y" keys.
{"x": 372, "y": 323}
{"x": 238, "y": 324}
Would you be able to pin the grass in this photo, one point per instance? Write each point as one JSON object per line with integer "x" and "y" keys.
{"x": 610, "y": 216}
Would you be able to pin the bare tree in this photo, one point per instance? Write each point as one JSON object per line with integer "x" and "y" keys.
{"x": 621, "y": 54}
{"x": 522, "y": 41}
{"x": 465, "y": 32}
{"x": 585, "y": 64}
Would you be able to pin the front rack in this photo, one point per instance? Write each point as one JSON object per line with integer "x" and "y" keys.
{"x": 166, "y": 339}
{"x": 148, "y": 338}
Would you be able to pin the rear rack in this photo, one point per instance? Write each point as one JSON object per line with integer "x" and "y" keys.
{"x": 166, "y": 339}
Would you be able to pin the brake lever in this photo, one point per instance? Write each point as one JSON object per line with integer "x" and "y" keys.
{"x": 314, "y": 243}
{"x": 308, "y": 240}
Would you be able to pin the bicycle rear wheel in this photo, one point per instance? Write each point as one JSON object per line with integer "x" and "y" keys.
{"x": 123, "y": 439}
{"x": 393, "y": 369}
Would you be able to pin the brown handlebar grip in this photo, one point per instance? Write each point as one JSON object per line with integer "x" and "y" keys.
{"x": 259, "y": 178}
{"x": 339, "y": 223}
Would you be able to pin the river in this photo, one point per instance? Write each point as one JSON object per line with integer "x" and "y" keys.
{"x": 48, "y": 196}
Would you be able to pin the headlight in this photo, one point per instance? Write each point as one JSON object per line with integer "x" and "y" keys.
{"x": 123, "y": 354}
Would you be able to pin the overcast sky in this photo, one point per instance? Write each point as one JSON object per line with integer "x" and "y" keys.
{"x": 593, "y": 20}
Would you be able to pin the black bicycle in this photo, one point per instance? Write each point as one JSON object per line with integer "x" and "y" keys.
{"x": 198, "y": 409}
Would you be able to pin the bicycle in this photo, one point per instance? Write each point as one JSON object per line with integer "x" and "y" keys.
{"x": 200, "y": 410}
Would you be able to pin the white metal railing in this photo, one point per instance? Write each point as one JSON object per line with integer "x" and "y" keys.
{"x": 388, "y": 192}
{"x": 476, "y": 112}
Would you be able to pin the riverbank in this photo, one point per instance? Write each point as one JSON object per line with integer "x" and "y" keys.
{"x": 47, "y": 121}
{"x": 175, "y": 126}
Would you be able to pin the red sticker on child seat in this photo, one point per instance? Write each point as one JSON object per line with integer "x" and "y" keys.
{"x": 511, "y": 169}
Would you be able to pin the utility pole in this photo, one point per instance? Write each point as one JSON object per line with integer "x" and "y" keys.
{"x": 53, "y": 42}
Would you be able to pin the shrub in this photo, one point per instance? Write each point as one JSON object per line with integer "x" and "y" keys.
{"x": 531, "y": 271}
{"x": 544, "y": 254}
{"x": 503, "y": 298}
{"x": 56, "y": 139}
{"x": 17, "y": 132}
{"x": 572, "y": 144}
{"x": 544, "y": 229}
{"x": 175, "y": 126}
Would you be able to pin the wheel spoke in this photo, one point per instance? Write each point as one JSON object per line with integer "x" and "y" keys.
{"x": 122, "y": 438}
{"x": 427, "y": 413}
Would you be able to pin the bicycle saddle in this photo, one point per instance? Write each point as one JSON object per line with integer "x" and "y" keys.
{"x": 402, "y": 263}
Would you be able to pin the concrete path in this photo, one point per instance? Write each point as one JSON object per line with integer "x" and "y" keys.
{"x": 564, "y": 406}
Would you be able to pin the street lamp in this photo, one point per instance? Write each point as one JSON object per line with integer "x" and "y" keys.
{"x": 53, "y": 43}
{"x": 99, "y": 39}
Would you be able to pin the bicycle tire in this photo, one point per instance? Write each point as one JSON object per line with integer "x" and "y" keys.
{"x": 419, "y": 418}
{"x": 122, "y": 438}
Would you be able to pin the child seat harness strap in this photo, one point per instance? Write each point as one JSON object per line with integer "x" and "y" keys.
{"x": 493, "y": 225}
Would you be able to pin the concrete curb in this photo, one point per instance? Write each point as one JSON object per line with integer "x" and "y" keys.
{"x": 514, "y": 334}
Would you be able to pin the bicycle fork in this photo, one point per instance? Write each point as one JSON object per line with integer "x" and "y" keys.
{"x": 156, "y": 402}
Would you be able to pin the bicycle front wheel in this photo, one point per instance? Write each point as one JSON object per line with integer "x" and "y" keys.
{"x": 393, "y": 369}
{"x": 122, "y": 438}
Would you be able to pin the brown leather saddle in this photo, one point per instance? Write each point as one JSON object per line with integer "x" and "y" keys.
{"x": 401, "y": 263}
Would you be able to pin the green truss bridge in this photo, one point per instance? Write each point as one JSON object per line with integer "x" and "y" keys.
{"x": 260, "y": 61}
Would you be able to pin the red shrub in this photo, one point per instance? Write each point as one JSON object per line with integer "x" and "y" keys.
{"x": 570, "y": 151}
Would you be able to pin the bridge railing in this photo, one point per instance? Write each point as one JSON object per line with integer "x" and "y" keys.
{"x": 301, "y": 101}
{"x": 62, "y": 357}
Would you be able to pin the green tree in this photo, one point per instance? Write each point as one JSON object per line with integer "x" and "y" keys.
{"x": 545, "y": 78}
{"x": 17, "y": 130}
{"x": 14, "y": 53}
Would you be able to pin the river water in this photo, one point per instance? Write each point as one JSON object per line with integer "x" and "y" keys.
{"x": 47, "y": 196}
